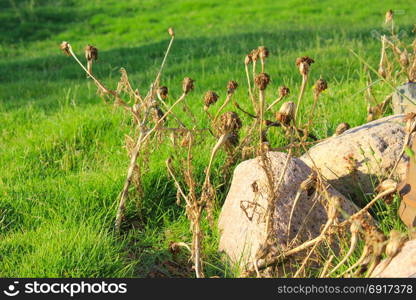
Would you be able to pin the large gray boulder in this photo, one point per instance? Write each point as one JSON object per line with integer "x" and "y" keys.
{"x": 401, "y": 102}
{"x": 242, "y": 222}
{"x": 356, "y": 160}
{"x": 403, "y": 264}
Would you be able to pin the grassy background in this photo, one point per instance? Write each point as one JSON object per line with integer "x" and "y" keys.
{"x": 62, "y": 163}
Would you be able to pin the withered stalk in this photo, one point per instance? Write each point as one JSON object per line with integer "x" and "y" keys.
{"x": 275, "y": 102}
{"x": 141, "y": 139}
{"x": 250, "y": 92}
{"x": 302, "y": 91}
{"x": 226, "y": 101}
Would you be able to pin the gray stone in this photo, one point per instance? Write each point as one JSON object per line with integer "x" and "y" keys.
{"x": 242, "y": 220}
{"x": 356, "y": 160}
{"x": 401, "y": 104}
{"x": 403, "y": 264}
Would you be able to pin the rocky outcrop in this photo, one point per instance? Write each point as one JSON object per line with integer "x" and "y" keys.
{"x": 242, "y": 222}
{"x": 356, "y": 160}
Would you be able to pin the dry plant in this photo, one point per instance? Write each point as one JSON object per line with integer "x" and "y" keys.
{"x": 150, "y": 114}
{"x": 397, "y": 65}
{"x": 148, "y": 117}
{"x": 196, "y": 202}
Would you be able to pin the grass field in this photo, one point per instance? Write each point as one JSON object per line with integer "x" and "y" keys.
{"x": 62, "y": 162}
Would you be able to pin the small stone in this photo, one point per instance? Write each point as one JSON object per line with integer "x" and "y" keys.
{"x": 242, "y": 221}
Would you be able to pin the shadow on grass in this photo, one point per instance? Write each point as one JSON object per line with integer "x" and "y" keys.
{"x": 28, "y": 21}
{"x": 41, "y": 78}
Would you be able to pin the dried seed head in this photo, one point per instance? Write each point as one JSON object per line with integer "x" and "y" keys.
{"x": 171, "y": 32}
{"x": 341, "y": 128}
{"x": 283, "y": 91}
{"x": 254, "y": 54}
{"x": 286, "y": 113}
{"x": 304, "y": 63}
{"x": 263, "y": 52}
{"x": 247, "y": 59}
{"x": 320, "y": 86}
{"x": 64, "y": 46}
{"x": 163, "y": 92}
{"x": 91, "y": 53}
{"x": 410, "y": 119}
{"x": 404, "y": 58}
{"x": 262, "y": 80}
{"x": 389, "y": 16}
{"x": 230, "y": 122}
{"x": 210, "y": 98}
{"x": 231, "y": 86}
{"x": 187, "y": 85}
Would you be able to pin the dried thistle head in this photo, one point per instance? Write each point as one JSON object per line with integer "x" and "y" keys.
{"x": 341, "y": 128}
{"x": 263, "y": 52}
{"x": 283, "y": 91}
{"x": 231, "y": 86}
{"x": 254, "y": 54}
{"x": 389, "y": 16}
{"x": 286, "y": 113}
{"x": 247, "y": 59}
{"x": 320, "y": 86}
{"x": 262, "y": 80}
{"x": 91, "y": 53}
{"x": 187, "y": 85}
{"x": 210, "y": 98}
{"x": 64, "y": 46}
{"x": 163, "y": 92}
{"x": 230, "y": 122}
{"x": 171, "y": 32}
{"x": 303, "y": 63}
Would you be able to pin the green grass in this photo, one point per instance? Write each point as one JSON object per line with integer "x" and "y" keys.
{"x": 62, "y": 162}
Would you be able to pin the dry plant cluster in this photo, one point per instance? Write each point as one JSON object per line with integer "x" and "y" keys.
{"x": 154, "y": 119}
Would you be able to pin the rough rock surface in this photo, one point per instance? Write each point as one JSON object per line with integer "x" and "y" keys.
{"x": 354, "y": 161}
{"x": 401, "y": 265}
{"x": 243, "y": 217}
{"x": 401, "y": 103}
